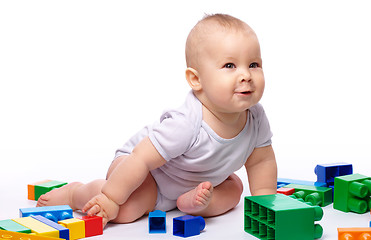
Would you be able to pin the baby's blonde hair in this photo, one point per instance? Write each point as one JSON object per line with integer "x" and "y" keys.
{"x": 210, "y": 22}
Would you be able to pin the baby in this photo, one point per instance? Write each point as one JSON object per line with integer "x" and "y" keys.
{"x": 188, "y": 158}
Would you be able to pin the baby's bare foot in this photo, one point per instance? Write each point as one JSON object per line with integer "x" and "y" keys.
{"x": 59, "y": 196}
{"x": 197, "y": 199}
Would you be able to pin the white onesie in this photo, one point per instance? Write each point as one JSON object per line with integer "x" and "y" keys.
{"x": 194, "y": 152}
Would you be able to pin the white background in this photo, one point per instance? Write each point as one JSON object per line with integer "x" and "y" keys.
{"x": 78, "y": 78}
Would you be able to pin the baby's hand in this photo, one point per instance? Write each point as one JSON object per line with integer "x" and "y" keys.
{"x": 102, "y": 206}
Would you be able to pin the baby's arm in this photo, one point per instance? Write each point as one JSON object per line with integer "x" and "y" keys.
{"x": 124, "y": 180}
{"x": 261, "y": 170}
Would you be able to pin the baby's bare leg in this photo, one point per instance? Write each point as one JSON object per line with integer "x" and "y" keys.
{"x": 76, "y": 195}
{"x": 207, "y": 201}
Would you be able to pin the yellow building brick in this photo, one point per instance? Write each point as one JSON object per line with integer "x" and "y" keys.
{"x": 76, "y": 227}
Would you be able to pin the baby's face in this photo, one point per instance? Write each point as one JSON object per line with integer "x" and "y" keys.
{"x": 230, "y": 71}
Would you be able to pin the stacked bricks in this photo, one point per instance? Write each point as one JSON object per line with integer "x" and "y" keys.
{"x": 53, "y": 222}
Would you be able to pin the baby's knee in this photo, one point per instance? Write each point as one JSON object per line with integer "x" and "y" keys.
{"x": 237, "y": 183}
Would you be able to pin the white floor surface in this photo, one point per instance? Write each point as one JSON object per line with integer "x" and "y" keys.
{"x": 230, "y": 225}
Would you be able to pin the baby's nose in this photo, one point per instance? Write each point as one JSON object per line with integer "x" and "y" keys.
{"x": 245, "y": 76}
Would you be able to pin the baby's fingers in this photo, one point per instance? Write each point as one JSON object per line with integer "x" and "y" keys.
{"x": 95, "y": 210}
{"x": 91, "y": 205}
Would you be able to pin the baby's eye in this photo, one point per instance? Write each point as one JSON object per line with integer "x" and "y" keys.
{"x": 229, "y": 65}
{"x": 254, "y": 65}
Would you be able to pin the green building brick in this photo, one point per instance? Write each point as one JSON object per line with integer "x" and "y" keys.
{"x": 321, "y": 196}
{"x": 280, "y": 217}
{"x": 352, "y": 193}
{"x": 45, "y": 187}
{"x": 10, "y": 225}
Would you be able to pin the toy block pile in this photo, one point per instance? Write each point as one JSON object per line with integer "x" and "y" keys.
{"x": 184, "y": 226}
{"x": 54, "y": 222}
{"x": 335, "y": 184}
{"x": 331, "y": 187}
{"x": 283, "y": 217}
{"x": 351, "y": 192}
{"x": 280, "y": 217}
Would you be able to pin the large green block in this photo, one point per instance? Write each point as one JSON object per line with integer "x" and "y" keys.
{"x": 352, "y": 193}
{"x": 10, "y": 225}
{"x": 280, "y": 217}
{"x": 321, "y": 196}
{"x": 45, "y": 187}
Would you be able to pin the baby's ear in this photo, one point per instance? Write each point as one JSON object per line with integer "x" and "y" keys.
{"x": 193, "y": 79}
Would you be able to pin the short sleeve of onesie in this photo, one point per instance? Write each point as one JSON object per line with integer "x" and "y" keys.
{"x": 264, "y": 131}
{"x": 177, "y": 129}
{"x": 173, "y": 135}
